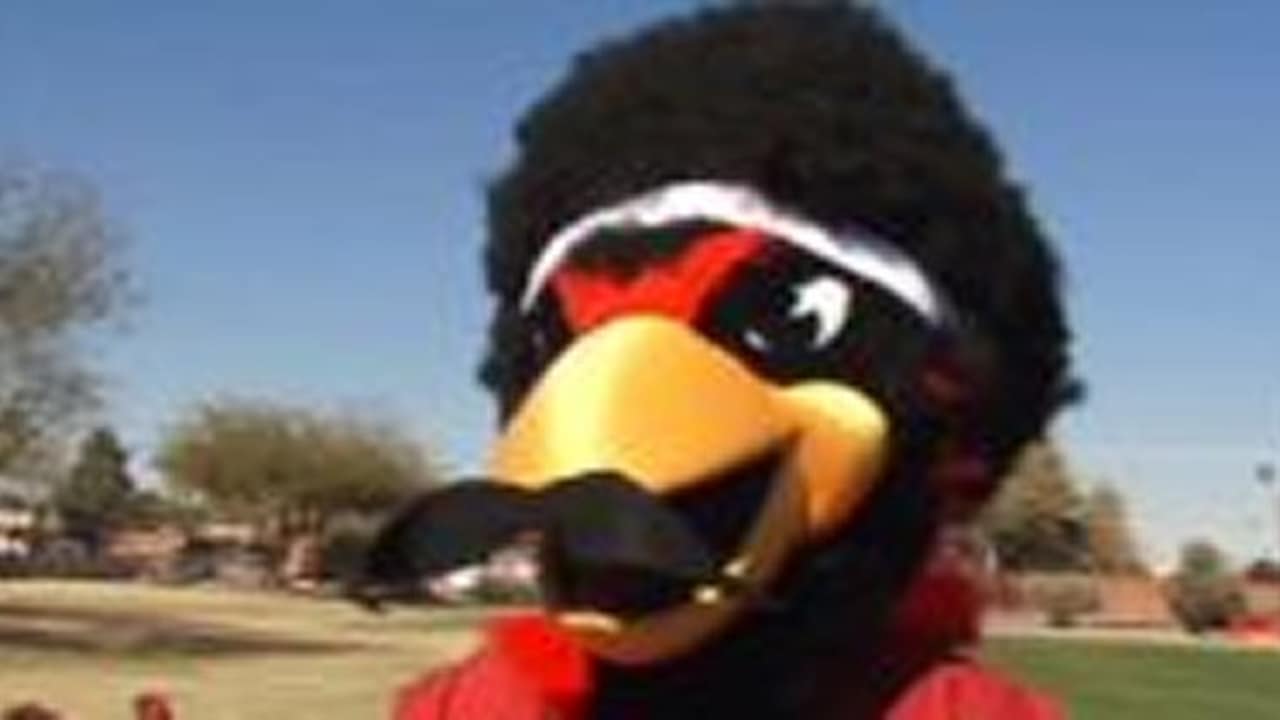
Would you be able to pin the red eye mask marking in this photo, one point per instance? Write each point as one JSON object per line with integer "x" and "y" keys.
{"x": 677, "y": 287}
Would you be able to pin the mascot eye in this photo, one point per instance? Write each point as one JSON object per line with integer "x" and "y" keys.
{"x": 826, "y": 301}
{"x": 815, "y": 313}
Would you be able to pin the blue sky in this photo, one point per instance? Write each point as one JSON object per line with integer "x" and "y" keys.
{"x": 303, "y": 180}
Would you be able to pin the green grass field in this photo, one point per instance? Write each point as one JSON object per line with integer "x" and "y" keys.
{"x": 1105, "y": 680}
{"x": 88, "y": 648}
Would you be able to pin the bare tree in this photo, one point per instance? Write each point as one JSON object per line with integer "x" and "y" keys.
{"x": 1036, "y": 521}
{"x": 61, "y": 275}
{"x": 1112, "y": 547}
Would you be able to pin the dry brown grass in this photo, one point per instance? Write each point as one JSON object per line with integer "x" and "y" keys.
{"x": 88, "y": 648}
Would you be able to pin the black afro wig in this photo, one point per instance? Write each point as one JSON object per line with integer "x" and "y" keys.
{"x": 824, "y": 108}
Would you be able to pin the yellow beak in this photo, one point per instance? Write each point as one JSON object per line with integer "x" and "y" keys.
{"x": 652, "y": 399}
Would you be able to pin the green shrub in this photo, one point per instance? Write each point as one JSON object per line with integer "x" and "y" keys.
{"x": 1203, "y": 604}
{"x": 1204, "y": 593}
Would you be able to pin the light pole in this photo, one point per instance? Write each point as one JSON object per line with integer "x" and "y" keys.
{"x": 1266, "y": 474}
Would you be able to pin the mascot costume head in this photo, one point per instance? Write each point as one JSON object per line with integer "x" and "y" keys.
{"x": 769, "y": 314}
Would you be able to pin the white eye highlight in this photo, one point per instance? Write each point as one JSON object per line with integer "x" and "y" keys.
{"x": 757, "y": 341}
{"x": 826, "y": 299}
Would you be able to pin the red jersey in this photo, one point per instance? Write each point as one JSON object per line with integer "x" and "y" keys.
{"x": 529, "y": 671}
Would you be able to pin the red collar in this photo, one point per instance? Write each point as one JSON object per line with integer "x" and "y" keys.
{"x": 556, "y": 667}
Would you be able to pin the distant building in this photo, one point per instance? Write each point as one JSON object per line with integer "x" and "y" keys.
{"x": 168, "y": 550}
{"x": 1261, "y": 597}
{"x": 1258, "y": 625}
{"x": 1118, "y": 602}
{"x": 146, "y": 551}
{"x": 1132, "y": 601}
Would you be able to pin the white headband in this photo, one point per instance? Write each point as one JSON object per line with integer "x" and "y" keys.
{"x": 855, "y": 251}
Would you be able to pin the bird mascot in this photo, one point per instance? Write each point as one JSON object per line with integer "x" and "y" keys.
{"x": 769, "y": 318}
